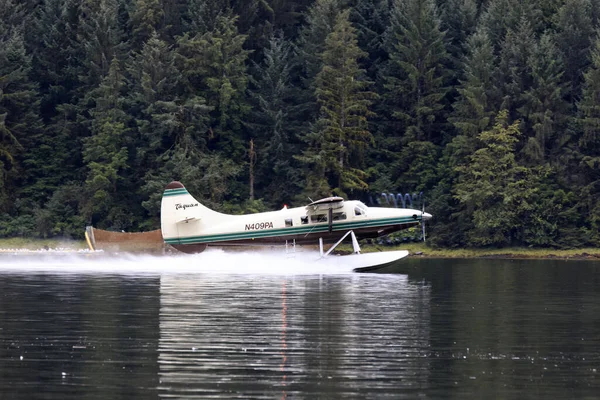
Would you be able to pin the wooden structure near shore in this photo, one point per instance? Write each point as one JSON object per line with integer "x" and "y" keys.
{"x": 127, "y": 242}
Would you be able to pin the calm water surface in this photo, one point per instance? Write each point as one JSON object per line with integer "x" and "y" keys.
{"x": 253, "y": 327}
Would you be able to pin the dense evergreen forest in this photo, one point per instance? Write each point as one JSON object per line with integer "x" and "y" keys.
{"x": 491, "y": 108}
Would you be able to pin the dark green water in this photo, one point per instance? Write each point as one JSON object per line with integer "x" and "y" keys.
{"x": 165, "y": 328}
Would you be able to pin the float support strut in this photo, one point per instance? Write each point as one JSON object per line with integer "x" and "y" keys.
{"x": 355, "y": 245}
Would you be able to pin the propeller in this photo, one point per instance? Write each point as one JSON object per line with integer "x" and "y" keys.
{"x": 330, "y": 219}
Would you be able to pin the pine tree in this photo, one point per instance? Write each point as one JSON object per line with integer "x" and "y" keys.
{"x": 574, "y": 38}
{"x": 57, "y": 65}
{"x": 214, "y": 64}
{"x": 320, "y": 20}
{"x": 515, "y": 68}
{"x": 371, "y": 19}
{"x": 500, "y": 16}
{"x": 272, "y": 125}
{"x": 104, "y": 152}
{"x": 100, "y": 37}
{"x": 19, "y": 119}
{"x": 146, "y": 19}
{"x": 416, "y": 76}
{"x": 486, "y": 186}
{"x": 544, "y": 106}
{"x": 589, "y": 143}
{"x": 478, "y": 95}
{"x": 202, "y": 15}
{"x": 341, "y": 131}
{"x": 459, "y": 21}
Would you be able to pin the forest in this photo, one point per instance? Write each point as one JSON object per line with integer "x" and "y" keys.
{"x": 490, "y": 108}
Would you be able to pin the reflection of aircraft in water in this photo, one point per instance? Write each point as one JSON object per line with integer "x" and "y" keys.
{"x": 190, "y": 227}
{"x": 295, "y": 336}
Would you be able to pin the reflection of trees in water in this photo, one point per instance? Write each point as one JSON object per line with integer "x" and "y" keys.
{"x": 512, "y": 327}
{"x": 80, "y": 336}
{"x": 285, "y": 335}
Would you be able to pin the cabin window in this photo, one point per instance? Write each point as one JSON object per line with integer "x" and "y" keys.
{"x": 304, "y": 220}
{"x": 358, "y": 211}
{"x": 318, "y": 218}
{"x": 339, "y": 216}
{"x": 288, "y": 222}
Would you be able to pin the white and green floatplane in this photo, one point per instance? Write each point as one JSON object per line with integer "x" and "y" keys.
{"x": 191, "y": 227}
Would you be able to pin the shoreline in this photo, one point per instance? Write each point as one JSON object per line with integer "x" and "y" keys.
{"x": 421, "y": 250}
{"x": 509, "y": 253}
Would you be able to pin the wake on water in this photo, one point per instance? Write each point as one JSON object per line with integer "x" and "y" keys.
{"x": 212, "y": 261}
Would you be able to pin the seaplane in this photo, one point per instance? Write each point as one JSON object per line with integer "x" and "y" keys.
{"x": 190, "y": 227}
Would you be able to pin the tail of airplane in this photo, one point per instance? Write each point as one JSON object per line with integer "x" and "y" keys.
{"x": 181, "y": 215}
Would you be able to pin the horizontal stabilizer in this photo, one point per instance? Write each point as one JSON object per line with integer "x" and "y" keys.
{"x": 187, "y": 219}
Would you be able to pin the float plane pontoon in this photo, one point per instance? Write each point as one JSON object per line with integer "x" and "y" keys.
{"x": 190, "y": 227}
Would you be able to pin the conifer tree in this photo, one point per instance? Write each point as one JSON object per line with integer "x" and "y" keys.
{"x": 19, "y": 119}
{"x": 574, "y": 38}
{"x": 371, "y": 19}
{"x": 515, "y": 70}
{"x": 213, "y": 64}
{"x": 100, "y": 38}
{"x": 202, "y": 15}
{"x": 273, "y": 126}
{"x": 500, "y": 16}
{"x": 478, "y": 95}
{"x": 105, "y": 152}
{"x": 459, "y": 21}
{"x": 172, "y": 122}
{"x": 589, "y": 143}
{"x": 57, "y": 64}
{"x": 487, "y": 184}
{"x": 146, "y": 19}
{"x": 544, "y": 106}
{"x": 416, "y": 75}
{"x": 415, "y": 97}
{"x": 320, "y": 20}
{"x": 340, "y": 135}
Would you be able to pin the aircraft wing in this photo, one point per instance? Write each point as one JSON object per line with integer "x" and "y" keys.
{"x": 326, "y": 203}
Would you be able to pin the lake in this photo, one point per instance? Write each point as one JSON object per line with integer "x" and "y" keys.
{"x": 253, "y": 326}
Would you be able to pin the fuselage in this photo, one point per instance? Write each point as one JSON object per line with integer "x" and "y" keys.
{"x": 189, "y": 226}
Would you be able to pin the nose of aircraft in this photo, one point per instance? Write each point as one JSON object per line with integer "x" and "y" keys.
{"x": 426, "y": 216}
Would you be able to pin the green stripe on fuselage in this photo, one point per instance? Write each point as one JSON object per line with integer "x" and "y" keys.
{"x": 308, "y": 229}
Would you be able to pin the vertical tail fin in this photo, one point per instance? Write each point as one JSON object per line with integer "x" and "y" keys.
{"x": 181, "y": 215}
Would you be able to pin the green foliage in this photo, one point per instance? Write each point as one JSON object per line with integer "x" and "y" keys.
{"x": 416, "y": 76}
{"x": 590, "y": 146}
{"x": 478, "y": 94}
{"x": 574, "y": 38}
{"x": 145, "y": 20}
{"x": 61, "y": 215}
{"x": 272, "y": 128}
{"x": 486, "y": 187}
{"x": 544, "y": 106}
{"x": 19, "y": 121}
{"x": 503, "y": 197}
{"x": 102, "y": 103}
{"x": 213, "y": 64}
{"x": 341, "y": 131}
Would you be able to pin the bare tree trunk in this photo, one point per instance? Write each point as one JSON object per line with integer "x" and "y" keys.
{"x": 252, "y": 156}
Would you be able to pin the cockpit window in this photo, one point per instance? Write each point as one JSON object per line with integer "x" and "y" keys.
{"x": 360, "y": 209}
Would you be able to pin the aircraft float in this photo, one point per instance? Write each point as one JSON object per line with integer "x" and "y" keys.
{"x": 191, "y": 227}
